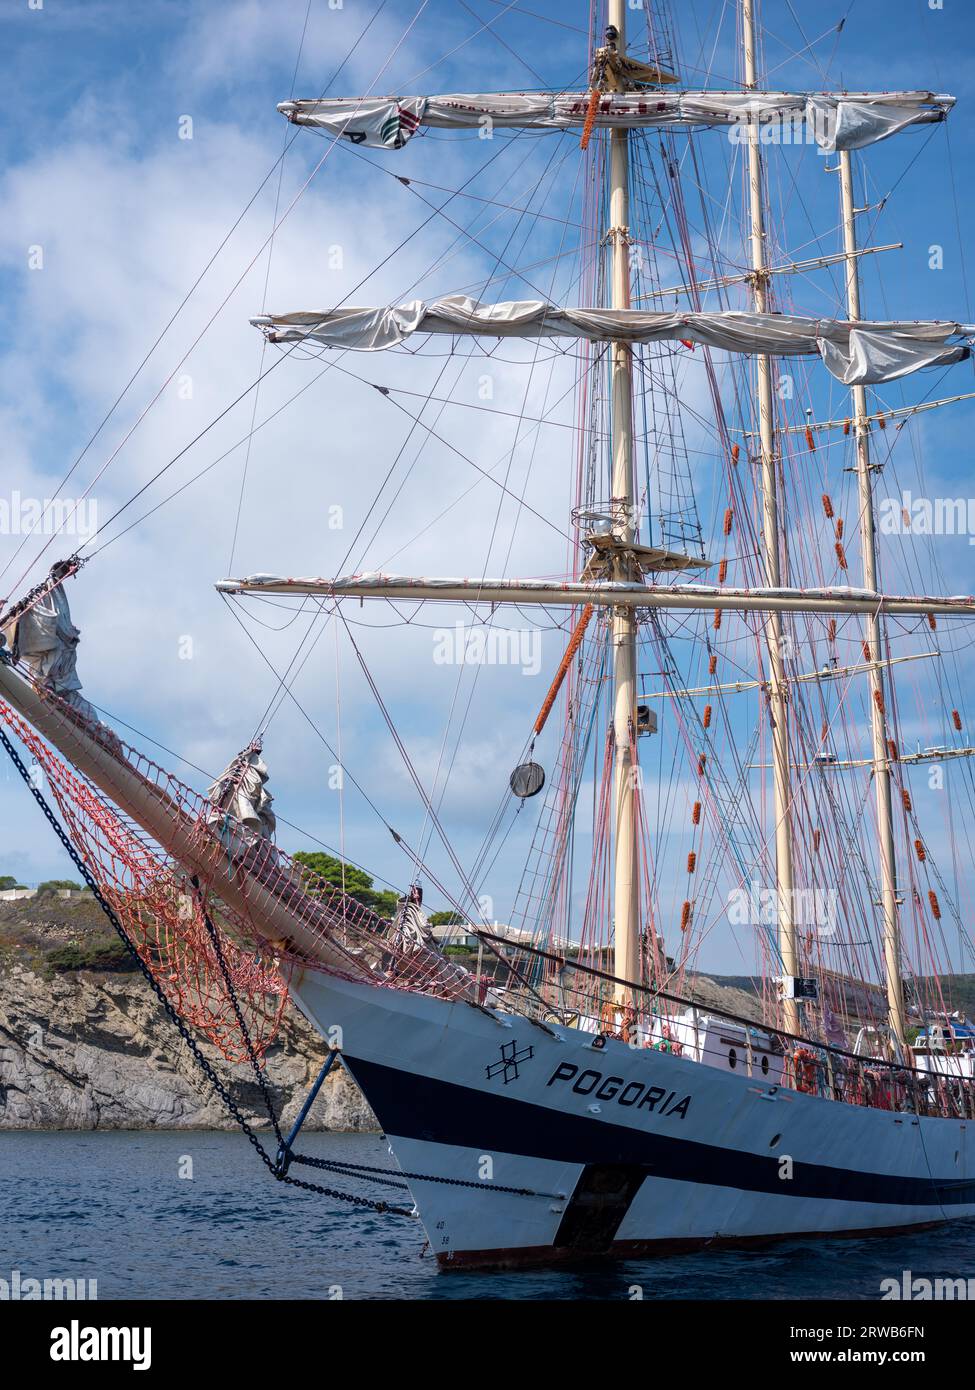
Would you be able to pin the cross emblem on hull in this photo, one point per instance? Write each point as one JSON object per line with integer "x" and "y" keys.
{"x": 511, "y": 1058}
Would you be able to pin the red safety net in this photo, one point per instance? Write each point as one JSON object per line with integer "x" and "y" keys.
{"x": 164, "y": 912}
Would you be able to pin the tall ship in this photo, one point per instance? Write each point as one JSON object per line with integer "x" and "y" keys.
{"x": 721, "y": 739}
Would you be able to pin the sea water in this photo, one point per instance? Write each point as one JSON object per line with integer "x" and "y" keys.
{"x": 197, "y": 1216}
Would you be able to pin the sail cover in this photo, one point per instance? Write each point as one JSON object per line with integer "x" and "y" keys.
{"x": 46, "y": 641}
{"x": 241, "y": 793}
{"x": 835, "y": 121}
{"x": 860, "y": 354}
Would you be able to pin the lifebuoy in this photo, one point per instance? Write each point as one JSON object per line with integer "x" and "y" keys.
{"x": 806, "y": 1070}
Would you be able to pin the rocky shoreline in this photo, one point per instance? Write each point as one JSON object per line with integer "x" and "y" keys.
{"x": 91, "y": 1050}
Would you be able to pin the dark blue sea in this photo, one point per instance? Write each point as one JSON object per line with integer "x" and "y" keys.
{"x": 114, "y": 1207}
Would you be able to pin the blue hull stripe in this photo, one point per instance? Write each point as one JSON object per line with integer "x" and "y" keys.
{"x": 441, "y": 1112}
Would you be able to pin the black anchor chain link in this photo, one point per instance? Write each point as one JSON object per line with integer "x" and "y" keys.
{"x": 277, "y": 1167}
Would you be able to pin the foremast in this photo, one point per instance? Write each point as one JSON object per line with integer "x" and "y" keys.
{"x": 626, "y": 878}
{"x": 778, "y": 695}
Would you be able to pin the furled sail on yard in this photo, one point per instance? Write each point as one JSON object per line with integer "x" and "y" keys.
{"x": 40, "y": 633}
{"x": 615, "y": 594}
{"x": 861, "y": 353}
{"x": 240, "y": 793}
{"x": 846, "y": 121}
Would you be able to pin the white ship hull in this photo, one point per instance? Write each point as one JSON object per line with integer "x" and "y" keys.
{"x": 629, "y": 1151}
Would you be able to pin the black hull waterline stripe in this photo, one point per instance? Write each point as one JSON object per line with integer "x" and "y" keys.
{"x": 441, "y": 1112}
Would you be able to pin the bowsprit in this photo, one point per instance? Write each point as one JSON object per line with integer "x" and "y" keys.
{"x": 594, "y": 1083}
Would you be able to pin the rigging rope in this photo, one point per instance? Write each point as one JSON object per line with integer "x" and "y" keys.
{"x": 277, "y": 1167}
{"x": 178, "y": 1022}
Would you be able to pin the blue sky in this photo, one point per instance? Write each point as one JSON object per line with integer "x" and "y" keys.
{"x": 127, "y": 214}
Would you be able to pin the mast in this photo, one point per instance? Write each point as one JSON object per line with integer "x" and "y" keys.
{"x": 626, "y": 885}
{"x": 777, "y": 694}
{"x": 878, "y": 715}
{"x": 614, "y": 574}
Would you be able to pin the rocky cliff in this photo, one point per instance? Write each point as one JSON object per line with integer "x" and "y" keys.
{"x": 95, "y": 1051}
{"x": 91, "y": 1049}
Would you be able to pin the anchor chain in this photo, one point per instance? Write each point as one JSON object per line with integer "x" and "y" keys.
{"x": 174, "y": 1017}
{"x": 277, "y": 1167}
{"x": 431, "y": 1177}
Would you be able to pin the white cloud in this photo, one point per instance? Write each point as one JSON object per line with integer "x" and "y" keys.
{"x": 125, "y": 226}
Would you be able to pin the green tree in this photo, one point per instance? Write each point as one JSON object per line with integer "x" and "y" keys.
{"x": 7, "y": 881}
{"x": 98, "y": 955}
{"x": 52, "y": 884}
{"x": 356, "y": 882}
{"x": 447, "y": 919}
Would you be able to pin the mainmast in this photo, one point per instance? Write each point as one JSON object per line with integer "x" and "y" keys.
{"x": 878, "y": 714}
{"x": 777, "y": 692}
{"x": 626, "y": 884}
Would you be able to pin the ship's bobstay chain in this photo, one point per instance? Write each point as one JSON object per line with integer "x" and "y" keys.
{"x": 276, "y": 1166}
{"x": 178, "y": 1022}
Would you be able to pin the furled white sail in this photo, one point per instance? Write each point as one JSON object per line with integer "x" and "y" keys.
{"x": 833, "y": 598}
{"x": 860, "y": 354}
{"x": 45, "y": 639}
{"x": 241, "y": 793}
{"x": 835, "y": 121}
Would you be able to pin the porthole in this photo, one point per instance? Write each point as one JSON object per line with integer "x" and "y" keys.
{"x": 765, "y": 1066}
{"x": 732, "y": 1058}
{"x": 774, "y": 1140}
